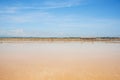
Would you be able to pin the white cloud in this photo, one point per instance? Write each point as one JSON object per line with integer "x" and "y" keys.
{"x": 54, "y": 20}
{"x": 23, "y": 33}
{"x": 62, "y": 3}
{"x": 46, "y": 4}
{"x": 10, "y": 10}
{"x": 26, "y": 17}
{"x": 12, "y": 32}
{"x": 17, "y": 31}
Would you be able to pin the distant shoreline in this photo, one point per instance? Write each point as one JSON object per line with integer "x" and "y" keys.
{"x": 4, "y": 39}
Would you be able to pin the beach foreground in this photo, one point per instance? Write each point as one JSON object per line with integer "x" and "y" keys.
{"x": 59, "y": 60}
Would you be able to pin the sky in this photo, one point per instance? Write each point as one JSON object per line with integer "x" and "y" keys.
{"x": 59, "y": 18}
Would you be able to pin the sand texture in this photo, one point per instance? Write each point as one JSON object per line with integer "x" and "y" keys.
{"x": 59, "y": 61}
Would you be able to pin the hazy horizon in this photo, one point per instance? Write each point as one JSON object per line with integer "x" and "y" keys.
{"x": 59, "y": 37}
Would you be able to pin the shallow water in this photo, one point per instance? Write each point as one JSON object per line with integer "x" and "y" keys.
{"x": 60, "y": 61}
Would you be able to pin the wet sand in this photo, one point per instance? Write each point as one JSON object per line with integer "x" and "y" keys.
{"x": 60, "y": 60}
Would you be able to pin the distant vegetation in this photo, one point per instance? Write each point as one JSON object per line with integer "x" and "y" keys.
{"x": 59, "y": 38}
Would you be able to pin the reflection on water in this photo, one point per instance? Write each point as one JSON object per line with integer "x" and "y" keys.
{"x": 60, "y": 61}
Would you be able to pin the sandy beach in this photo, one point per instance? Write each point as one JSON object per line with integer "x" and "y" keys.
{"x": 59, "y": 60}
{"x": 59, "y": 39}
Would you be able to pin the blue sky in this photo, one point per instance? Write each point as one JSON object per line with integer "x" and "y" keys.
{"x": 59, "y": 18}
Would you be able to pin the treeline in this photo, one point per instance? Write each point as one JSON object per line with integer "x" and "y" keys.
{"x": 66, "y": 37}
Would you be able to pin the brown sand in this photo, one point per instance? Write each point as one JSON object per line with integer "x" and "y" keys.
{"x": 60, "y": 61}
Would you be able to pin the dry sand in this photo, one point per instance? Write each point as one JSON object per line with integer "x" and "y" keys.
{"x": 59, "y": 61}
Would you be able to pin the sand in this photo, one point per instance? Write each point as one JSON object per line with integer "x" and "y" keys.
{"x": 59, "y": 61}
